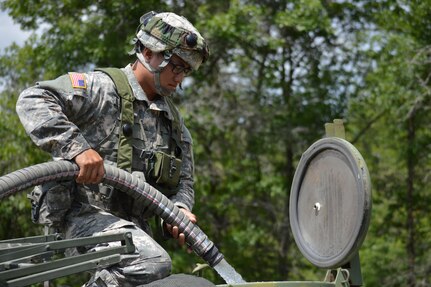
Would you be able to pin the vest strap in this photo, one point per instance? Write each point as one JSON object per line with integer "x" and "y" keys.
{"x": 125, "y": 149}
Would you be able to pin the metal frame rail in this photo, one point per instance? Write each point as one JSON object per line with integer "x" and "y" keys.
{"x": 25, "y": 261}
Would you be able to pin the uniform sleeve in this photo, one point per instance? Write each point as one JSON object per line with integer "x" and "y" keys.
{"x": 52, "y": 113}
{"x": 185, "y": 197}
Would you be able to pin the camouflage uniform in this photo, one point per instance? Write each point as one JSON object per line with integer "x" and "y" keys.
{"x": 64, "y": 121}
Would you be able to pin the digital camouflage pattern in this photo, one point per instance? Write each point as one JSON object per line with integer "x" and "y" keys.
{"x": 65, "y": 120}
{"x": 149, "y": 262}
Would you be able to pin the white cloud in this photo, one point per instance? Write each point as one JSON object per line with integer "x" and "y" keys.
{"x": 10, "y": 32}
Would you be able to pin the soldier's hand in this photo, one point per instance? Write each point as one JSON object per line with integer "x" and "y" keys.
{"x": 174, "y": 231}
{"x": 91, "y": 168}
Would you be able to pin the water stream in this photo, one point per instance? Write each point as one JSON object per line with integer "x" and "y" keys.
{"x": 228, "y": 273}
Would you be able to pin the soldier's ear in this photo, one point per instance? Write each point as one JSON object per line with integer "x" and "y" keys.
{"x": 148, "y": 54}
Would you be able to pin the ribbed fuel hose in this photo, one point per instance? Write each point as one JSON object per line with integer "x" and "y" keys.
{"x": 124, "y": 181}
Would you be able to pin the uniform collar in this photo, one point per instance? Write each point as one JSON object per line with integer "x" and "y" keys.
{"x": 157, "y": 105}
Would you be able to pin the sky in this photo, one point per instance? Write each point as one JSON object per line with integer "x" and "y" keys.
{"x": 10, "y": 32}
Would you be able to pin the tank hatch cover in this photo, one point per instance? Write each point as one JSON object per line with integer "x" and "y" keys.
{"x": 330, "y": 202}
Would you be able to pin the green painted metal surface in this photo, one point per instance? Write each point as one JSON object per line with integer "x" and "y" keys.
{"x": 31, "y": 260}
{"x": 334, "y": 278}
{"x": 282, "y": 284}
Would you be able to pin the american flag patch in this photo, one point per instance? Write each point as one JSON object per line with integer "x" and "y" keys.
{"x": 78, "y": 80}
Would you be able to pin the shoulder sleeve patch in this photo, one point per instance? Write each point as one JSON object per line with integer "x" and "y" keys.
{"x": 78, "y": 80}
{"x": 60, "y": 85}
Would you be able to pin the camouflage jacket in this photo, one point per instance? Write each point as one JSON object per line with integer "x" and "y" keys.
{"x": 65, "y": 117}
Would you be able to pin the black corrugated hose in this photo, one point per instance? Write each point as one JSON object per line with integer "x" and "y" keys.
{"x": 124, "y": 181}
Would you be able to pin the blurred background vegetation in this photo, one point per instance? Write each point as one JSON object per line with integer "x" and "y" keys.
{"x": 278, "y": 71}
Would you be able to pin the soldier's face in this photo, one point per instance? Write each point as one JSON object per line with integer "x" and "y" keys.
{"x": 174, "y": 72}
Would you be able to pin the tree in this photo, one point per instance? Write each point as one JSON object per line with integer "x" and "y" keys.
{"x": 277, "y": 82}
{"x": 396, "y": 101}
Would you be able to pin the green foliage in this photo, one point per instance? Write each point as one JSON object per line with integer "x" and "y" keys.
{"x": 278, "y": 71}
{"x": 76, "y": 34}
{"x": 398, "y": 88}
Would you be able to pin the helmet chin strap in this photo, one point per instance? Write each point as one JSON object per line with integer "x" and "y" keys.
{"x": 156, "y": 72}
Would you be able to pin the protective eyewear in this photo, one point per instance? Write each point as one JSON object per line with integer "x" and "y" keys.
{"x": 178, "y": 69}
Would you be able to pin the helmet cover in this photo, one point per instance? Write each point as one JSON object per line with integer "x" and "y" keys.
{"x": 167, "y": 32}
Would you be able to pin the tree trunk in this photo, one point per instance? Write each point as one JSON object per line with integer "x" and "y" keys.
{"x": 411, "y": 252}
{"x": 284, "y": 231}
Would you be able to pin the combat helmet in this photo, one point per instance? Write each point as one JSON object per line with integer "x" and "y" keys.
{"x": 170, "y": 34}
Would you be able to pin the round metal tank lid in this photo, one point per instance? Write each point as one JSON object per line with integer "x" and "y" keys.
{"x": 330, "y": 202}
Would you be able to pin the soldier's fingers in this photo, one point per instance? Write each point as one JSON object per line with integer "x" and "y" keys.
{"x": 181, "y": 239}
{"x": 168, "y": 227}
{"x": 193, "y": 218}
{"x": 94, "y": 172}
{"x": 93, "y": 175}
{"x": 91, "y": 168}
{"x": 81, "y": 175}
{"x": 175, "y": 232}
{"x": 100, "y": 173}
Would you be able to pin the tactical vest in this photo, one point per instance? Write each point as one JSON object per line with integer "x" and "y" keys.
{"x": 161, "y": 169}
{"x": 122, "y": 149}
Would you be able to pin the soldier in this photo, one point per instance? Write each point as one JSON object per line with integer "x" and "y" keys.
{"x": 124, "y": 118}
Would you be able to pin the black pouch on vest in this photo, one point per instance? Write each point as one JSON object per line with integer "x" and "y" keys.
{"x": 164, "y": 169}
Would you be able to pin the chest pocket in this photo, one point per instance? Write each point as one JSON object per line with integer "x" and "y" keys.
{"x": 156, "y": 153}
